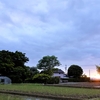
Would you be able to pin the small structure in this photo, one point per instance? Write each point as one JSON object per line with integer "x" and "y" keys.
{"x": 5, "y": 80}
{"x": 59, "y": 73}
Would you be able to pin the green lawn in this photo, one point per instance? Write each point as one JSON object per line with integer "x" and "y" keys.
{"x": 51, "y": 90}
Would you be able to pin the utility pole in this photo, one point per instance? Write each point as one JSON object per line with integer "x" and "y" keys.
{"x": 65, "y": 69}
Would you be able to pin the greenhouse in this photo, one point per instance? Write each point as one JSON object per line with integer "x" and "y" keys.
{"x": 5, "y": 80}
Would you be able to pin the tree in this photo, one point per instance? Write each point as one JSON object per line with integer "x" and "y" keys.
{"x": 12, "y": 64}
{"x": 98, "y": 68}
{"x": 19, "y": 59}
{"x": 34, "y": 71}
{"x": 6, "y": 63}
{"x": 75, "y": 71}
{"x": 47, "y": 63}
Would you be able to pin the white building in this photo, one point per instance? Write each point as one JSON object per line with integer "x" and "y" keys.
{"x": 61, "y": 74}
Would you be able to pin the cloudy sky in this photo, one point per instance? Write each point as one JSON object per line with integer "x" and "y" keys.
{"x": 68, "y": 29}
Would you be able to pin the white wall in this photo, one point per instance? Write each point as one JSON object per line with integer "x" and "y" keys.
{"x": 59, "y": 75}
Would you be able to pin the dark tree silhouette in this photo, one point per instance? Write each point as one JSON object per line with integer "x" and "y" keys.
{"x": 75, "y": 71}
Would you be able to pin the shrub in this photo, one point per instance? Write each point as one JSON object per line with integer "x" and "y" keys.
{"x": 28, "y": 80}
{"x": 41, "y": 78}
{"x": 53, "y": 80}
{"x": 16, "y": 79}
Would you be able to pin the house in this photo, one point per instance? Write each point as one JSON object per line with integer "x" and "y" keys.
{"x": 5, "y": 80}
{"x": 59, "y": 73}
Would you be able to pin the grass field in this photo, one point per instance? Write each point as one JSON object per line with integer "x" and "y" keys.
{"x": 17, "y": 97}
{"x": 10, "y": 97}
{"x": 55, "y": 91}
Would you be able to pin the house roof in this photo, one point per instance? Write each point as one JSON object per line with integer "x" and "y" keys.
{"x": 59, "y": 71}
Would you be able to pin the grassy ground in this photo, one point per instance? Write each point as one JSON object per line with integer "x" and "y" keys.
{"x": 10, "y": 97}
{"x": 54, "y": 91}
{"x": 17, "y": 97}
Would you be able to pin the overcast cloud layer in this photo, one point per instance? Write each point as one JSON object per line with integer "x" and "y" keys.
{"x": 68, "y": 29}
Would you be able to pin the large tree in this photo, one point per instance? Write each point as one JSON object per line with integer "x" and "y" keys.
{"x": 75, "y": 71}
{"x": 33, "y": 71}
{"x": 12, "y": 64}
{"x": 47, "y": 63}
{"x": 19, "y": 59}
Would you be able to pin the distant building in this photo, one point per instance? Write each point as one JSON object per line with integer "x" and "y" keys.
{"x": 59, "y": 73}
{"x": 5, "y": 80}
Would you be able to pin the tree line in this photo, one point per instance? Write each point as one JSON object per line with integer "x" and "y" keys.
{"x": 12, "y": 64}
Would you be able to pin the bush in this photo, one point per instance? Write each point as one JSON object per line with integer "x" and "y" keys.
{"x": 28, "y": 80}
{"x": 53, "y": 80}
{"x": 56, "y": 80}
{"x": 16, "y": 79}
{"x": 64, "y": 80}
{"x": 40, "y": 78}
{"x": 46, "y": 79}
